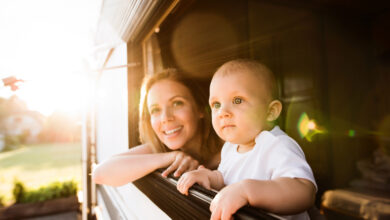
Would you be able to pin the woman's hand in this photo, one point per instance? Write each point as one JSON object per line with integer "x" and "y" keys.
{"x": 182, "y": 163}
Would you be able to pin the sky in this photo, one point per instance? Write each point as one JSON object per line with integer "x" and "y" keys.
{"x": 45, "y": 43}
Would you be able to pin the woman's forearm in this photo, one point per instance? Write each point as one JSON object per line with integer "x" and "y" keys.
{"x": 122, "y": 169}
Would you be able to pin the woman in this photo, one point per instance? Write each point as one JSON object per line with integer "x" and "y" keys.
{"x": 175, "y": 131}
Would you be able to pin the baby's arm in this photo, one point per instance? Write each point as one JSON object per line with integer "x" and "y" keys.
{"x": 281, "y": 196}
{"x": 204, "y": 177}
{"x": 138, "y": 162}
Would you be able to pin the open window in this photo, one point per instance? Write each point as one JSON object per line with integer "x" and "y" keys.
{"x": 330, "y": 58}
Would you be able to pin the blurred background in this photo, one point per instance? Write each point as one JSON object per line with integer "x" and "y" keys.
{"x": 44, "y": 44}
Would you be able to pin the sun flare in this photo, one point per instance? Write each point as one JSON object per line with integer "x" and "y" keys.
{"x": 47, "y": 48}
{"x": 66, "y": 93}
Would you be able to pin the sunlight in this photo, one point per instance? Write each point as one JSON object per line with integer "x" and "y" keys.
{"x": 46, "y": 43}
{"x": 307, "y": 127}
{"x": 67, "y": 93}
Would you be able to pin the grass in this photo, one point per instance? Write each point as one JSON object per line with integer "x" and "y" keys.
{"x": 38, "y": 165}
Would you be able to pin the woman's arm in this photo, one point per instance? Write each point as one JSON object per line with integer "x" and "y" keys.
{"x": 138, "y": 162}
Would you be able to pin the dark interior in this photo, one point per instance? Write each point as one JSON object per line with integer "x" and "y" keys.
{"x": 331, "y": 59}
{"x": 332, "y": 62}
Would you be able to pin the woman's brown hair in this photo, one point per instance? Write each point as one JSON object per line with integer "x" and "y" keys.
{"x": 211, "y": 144}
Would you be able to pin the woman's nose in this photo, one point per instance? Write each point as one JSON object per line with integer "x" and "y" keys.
{"x": 167, "y": 115}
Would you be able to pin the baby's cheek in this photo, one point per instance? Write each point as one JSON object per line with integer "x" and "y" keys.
{"x": 214, "y": 121}
{"x": 256, "y": 117}
{"x": 216, "y": 128}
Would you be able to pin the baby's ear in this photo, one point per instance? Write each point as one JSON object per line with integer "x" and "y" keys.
{"x": 274, "y": 109}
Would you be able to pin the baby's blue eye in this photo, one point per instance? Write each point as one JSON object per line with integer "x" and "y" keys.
{"x": 237, "y": 100}
{"x": 216, "y": 105}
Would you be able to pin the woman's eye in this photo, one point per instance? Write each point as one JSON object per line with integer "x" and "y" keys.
{"x": 154, "y": 111}
{"x": 178, "y": 103}
{"x": 216, "y": 105}
{"x": 237, "y": 100}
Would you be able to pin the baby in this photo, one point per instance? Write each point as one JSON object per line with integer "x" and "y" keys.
{"x": 260, "y": 164}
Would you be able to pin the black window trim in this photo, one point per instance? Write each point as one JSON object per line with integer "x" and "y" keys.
{"x": 162, "y": 191}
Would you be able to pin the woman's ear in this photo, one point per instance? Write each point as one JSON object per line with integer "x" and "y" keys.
{"x": 201, "y": 113}
{"x": 274, "y": 110}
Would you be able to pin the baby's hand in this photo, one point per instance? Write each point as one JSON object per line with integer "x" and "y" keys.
{"x": 227, "y": 202}
{"x": 188, "y": 179}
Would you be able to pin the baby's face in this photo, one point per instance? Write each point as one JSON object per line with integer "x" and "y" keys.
{"x": 239, "y": 103}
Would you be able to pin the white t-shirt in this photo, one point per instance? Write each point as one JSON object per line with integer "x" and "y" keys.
{"x": 274, "y": 155}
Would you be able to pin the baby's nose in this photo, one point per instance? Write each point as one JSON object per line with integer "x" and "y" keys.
{"x": 224, "y": 112}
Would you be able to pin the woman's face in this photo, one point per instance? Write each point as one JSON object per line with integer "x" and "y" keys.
{"x": 174, "y": 114}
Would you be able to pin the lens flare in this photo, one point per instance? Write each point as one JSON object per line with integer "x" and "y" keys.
{"x": 307, "y": 127}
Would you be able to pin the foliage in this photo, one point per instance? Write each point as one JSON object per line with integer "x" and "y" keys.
{"x": 61, "y": 127}
{"x": 53, "y": 190}
{"x": 2, "y": 204}
{"x": 39, "y": 164}
{"x": 11, "y": 105}
{"x": 18, "y": 191}
{"x": 13, "y": 141}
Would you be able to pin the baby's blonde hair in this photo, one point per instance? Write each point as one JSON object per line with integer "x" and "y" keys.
{"x": 252, "y": 66}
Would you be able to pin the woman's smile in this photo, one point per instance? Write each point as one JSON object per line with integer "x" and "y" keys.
{"x": 173, "y": 131}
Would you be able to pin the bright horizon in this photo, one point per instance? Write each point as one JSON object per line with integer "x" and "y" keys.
{"x": 45, "y": 43}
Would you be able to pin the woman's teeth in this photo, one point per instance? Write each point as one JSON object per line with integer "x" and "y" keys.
{"x": 173, "y": 130}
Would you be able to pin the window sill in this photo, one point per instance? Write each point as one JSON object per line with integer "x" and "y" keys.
{"x": 163, "y": 192}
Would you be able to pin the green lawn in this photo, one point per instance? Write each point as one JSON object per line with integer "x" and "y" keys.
{"x": 40, "y": 164}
